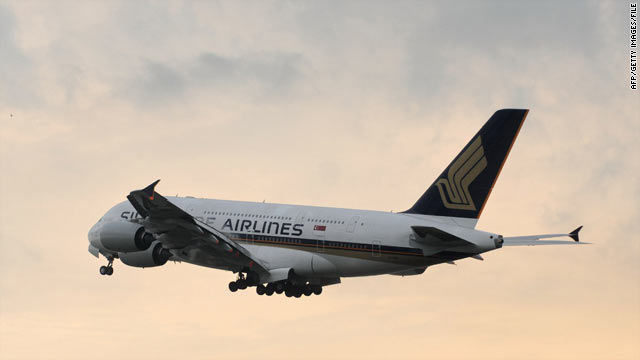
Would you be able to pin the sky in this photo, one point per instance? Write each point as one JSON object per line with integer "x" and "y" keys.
{"x": 356, "y": 104}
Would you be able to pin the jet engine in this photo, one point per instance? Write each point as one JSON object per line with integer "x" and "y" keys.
{"x": 124, "y": 236}
{"x": 155, "y": 255}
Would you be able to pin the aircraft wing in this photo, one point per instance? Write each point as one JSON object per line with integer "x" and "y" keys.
{"x": 531, "y": 240}
{"x": 176, "y": 229}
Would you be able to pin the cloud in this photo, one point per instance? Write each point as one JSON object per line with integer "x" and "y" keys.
{"x": 509, "y": 56}
{"x": 159, "y": 83}
{"x": 347, "y": 104}
{"x": 258, "y": 76}
{"x": 18, "y": 85}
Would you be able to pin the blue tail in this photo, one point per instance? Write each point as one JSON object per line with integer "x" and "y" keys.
{"x": 464, "y": 186}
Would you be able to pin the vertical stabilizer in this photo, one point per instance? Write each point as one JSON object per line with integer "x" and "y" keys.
{"x": 464, "y": 186}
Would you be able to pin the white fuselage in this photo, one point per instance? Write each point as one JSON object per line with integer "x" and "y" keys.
{"x": 321, "y": 241}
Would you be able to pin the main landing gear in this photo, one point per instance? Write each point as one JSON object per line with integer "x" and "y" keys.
{"x": 304, "y": 289}
{"x": 107, "y": 270}
{"x": 289, "y": 289}
{"x": 240, "y": 284}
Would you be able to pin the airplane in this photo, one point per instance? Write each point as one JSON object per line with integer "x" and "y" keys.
{"x": 298, "y": 250}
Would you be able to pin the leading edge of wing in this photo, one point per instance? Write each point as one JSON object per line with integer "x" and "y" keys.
{"x": 155, "y": 207}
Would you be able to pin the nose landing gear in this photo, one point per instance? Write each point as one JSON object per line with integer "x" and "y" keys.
{"x": 107, "y": 270}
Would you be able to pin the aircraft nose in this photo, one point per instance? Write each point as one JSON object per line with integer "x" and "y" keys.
{"x": 94, "y": 235}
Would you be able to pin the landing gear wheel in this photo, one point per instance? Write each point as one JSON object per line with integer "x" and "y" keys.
{"x": 233, "y": 286}
{"x": 307, "y": 291}
{"x": 279, "y": 288}
{"x": 107, "y": 270}
{"x": 242, "y": 284}
{"x": 317, "y": 290}
{"x": 269, "y": 289}
{"x": 260, "y": 289}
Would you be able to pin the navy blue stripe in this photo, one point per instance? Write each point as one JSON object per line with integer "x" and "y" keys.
{"x": 327, "y": 244}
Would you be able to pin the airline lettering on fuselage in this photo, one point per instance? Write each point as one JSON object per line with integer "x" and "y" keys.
{"x": 130, "y": 215}
{"x": 263, "y": 227}
{"x": 241, "y": 225}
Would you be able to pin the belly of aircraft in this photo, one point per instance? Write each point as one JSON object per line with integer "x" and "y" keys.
{"x": 329, "y": 262}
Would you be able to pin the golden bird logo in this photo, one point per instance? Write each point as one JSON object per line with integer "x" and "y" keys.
{"x": 454, "y": 190}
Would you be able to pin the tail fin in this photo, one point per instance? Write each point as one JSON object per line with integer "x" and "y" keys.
{"x": 464, "y": 186}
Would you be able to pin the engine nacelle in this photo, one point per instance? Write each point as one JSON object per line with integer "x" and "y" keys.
{"x": 124, "y": 236}
{"x": 155, "y": 255}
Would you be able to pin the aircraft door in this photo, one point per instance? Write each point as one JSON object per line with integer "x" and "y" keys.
{"x": 318, "y": 235}
{"x": 302, "y": 216}
{"x": 316, "y": 231}
{"x": 375, "y": 248}
{"x": 351, "y": 226}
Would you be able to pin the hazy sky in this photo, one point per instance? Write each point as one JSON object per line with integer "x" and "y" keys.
{"x": 355, "y": 104}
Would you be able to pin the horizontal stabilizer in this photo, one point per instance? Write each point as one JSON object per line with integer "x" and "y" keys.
{"x": 530, "y": 240}
{"x": 574, "y": 234}
{"x": 543, "y": 242}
